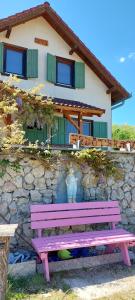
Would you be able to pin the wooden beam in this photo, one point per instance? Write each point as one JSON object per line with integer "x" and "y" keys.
{"x": 73, "y": 49}
{"x": 80, "y": 123}
{"x": 112, "y": 89}
{"x": 8, "y": 32}
{"x": 80, "y": 109}
{"x": 41, "y": 41}
{"x": 68, "y": 117}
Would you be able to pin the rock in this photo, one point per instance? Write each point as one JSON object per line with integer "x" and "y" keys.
{"x": 124, "y": 219}
{"x": 24, "y": 162}
{"x": 47, "y": 201}
{"x": 8, "y": 187}
{"x": 29, "y": 178}
{"x": 133, "y": 194}
{"x": 27, "y": 170}
{"x": 110, "y": 181}
{"x": 89, "y": 181}
{"x": 22, "y": 200}
{"x": 28, "y": 186}
{"x": 21, "y": 193}
{"x": 38, "y": 172}
{"x": 6, "y": 197}
{"x": 132, "y": 205}
{"x": 13, "y": 208}
{"x": 1, "y": 182}
{"x": 128, "y": 197}
{"x": 18, "y": 181}
{"x": 39, "y": 183}
{"x": 3, "y": 208}
{"x": 11, "y": 172}
{"x": 124, "y": 203}
{"x": 129, "y": 212}
{"x": 27, "y": 230}
{"x": 117, "y": 194}
{"x": 48, "y": 182}
{"x": 35, "y": 196}
{"x": 48, "y": 174}
{"x": 126, "y": 187}
{"x": 132, "y": 220}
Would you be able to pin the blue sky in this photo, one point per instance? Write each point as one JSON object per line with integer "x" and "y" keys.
{"x": 107, "y": 28}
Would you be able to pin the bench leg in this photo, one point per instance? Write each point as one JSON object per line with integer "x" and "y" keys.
{"x": 125, "y": 254}
{"x": 46, "y": 267}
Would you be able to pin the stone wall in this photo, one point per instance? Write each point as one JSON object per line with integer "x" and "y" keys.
{"x": 34, "y": 183}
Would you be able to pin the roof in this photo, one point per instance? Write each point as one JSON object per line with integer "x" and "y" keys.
{"x": 76, "y": 107}
{"x": 118, "y": 92}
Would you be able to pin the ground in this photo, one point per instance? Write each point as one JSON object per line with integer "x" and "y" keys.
{"x": 111, "y": 282}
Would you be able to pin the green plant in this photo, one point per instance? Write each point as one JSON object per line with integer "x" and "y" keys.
{"x": 99, "y": 161}
{"x": 4, "y": 163}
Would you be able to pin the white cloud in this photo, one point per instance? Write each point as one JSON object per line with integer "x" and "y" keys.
{"x": 122, "y": 59}
{"x": 131, "y": 55}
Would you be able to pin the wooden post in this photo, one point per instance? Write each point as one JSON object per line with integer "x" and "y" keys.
{"x": 80, "y": 123}
{"x": 6, "y": 231}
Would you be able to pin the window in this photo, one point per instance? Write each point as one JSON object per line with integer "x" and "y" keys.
{"x": 15, "y": 60}
{"x": 86, "y": 130}
{"x": 64, "y": 72}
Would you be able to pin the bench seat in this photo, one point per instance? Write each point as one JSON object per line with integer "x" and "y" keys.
{"x": 46, "y": 216}
{"x": 82, "y": 239}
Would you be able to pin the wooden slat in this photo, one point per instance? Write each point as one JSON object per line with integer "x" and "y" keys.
{"x": 67, "y": 206}
{"x": 83, "y": 240}
{"x": 7, "y": 230}
{"x": 86, "y": 234}
{"x": 74, "y": 214}
{"x": 75, "y": 221}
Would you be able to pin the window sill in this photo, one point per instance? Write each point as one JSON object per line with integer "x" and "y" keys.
{"x": 65, "y": 86}
{"x": 18, "y": 76}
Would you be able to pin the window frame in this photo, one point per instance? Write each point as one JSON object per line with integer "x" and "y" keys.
{"x": 24, "y": 60}
{"x": 72, "y": 74}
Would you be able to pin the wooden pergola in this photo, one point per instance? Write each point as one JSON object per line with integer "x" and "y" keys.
{"x": 73, "y": 111}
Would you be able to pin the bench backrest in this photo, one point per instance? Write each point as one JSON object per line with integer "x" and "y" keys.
{"x": 69, "y": 214}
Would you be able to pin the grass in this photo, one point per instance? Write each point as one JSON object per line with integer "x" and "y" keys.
{"x": 129, "y": 295}
{"x": 35, "y": 288}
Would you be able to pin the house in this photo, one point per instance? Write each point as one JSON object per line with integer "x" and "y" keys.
{"x": 39, "y": 47}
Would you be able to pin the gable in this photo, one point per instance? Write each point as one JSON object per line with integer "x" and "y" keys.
{"x": 114, "y": 87}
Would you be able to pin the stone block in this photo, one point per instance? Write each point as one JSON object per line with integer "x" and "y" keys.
{"x": 35, "y": 195}
{"x": 84, "y": 262}
{"x": 29, "y": 178}
{"x": 18, "y": 181}
{"x": 48, "y": 174}
{"x": 8, "y": 187}
{"x": 6, "y": 197}
{"x": 21, "y": 193}
{"x": 23, "y": 269}
{"x": 38, "y": 172}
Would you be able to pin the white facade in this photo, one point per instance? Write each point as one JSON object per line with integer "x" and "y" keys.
{"x": 94, "y": 92}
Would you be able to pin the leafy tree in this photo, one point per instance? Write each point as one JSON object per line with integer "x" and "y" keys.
{"x": 123, "y": 132}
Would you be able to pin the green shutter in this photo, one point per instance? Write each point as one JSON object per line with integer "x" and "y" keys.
{"x": 79, "y": 75}
{"x": 32, "y": 63}
{"x": 1, "y": 57}
{"x": 100, "y": 129}
{"x": 35, "y": 134}
{"x": 58, "y": 132}
{"x": 51, "y": 68}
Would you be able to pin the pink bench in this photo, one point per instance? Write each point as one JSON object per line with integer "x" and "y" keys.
{"x": 70, "y": 214}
